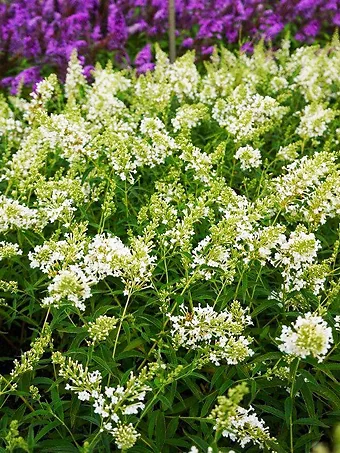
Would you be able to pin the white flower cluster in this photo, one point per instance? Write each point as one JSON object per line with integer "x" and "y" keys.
{"x": 309, "y": 335}
{"x": 324, "y": 202}
{"x": 245, "y": 427}
{"x": 128, "y": 152}
{"x": 207, "y": 258}
{"x": 100, "y": 329}
{"x": 69, "y": 284}
{"x": 196, "y": 161}
{"x": 316, "y": 71}
{"x": 84, "y": 265}
{"x": 236, "y": 236}
{"x": 10, "y": 128}
{"x": 299, "y": 250}
{"x": 289, "y": 152}
{"x": 246, "y": 115}
{"x": 279, "y": 83}
{"x": 249, "y": 157}
{"x": 58, "y": 207}
{"x": 162, "y": 144}
{"x": 138, "y": 269}
{"x": 125, "y": 436}
{"x": 43, "y": 93}
{"x": 73, "y": 139}
{"x": 294, "y": 189}
{"x": 16, "y": 215}
{"x": 217, "y": 335}
{"x": 262, "y": 242}
{"x": 180, "y": 79}
{"x": 337, "y": 322}
{"x": 181, "y": 231}
{"x": 8, "y": 250}
{"x": 75, "y": 79}
{"x": 129, "y": 400}
{"x": 155, "y": 86}
{"x": 30, "y": 156}
{"x": 106, "y": 255}
{"x": 102, "y": 97}
{"x": 216, "y": 84}
{"x": 184, "y": 77}
{"x": 113, "y": 404}
{"x": 296, "y": 255}
{"x": 237, "y": 423}
{"x": 53, "y": 255}
{"x": 189, "y": 116}
{"x": 65, "y": 135}
{"x": 314, "y": 121}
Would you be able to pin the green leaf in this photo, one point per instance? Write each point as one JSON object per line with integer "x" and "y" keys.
{"x": 172, "y": 427}
{"x": 208, "y": 404}
{"x": 57, "y": 446}
{"x": 326, "y": 393}
{"x": 262, "y": 307}
{"x": 308, "y": 399}
{"x": 134, "y": 344}
{"x": 46, "y": 429}
{"x": 306, "y": 441}
{"x": 197, "y": 441}
{"x": 310, "y": 421}
{"x": 288, "y": 410}
{"x": 151, "y": 423}
{"x": 272, "y": 410}
{"x": 160, "y": 430}
{"x": 102, "y": 363}
{"x": 38, "y": 413}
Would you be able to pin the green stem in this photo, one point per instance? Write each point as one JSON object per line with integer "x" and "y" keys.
{"x": 291, "y": 412}
{"x": 3, "y": 391}
{"x": 168, "y": 319}
{"x": 126, "y": 201}
{"x": 239, "y": 283}
{"x": 93, "y": 441}
{"x": 65, "y": 426}
{"x": 120, "y": 325}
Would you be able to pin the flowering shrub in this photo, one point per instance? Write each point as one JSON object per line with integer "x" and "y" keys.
{"x": 38, "y": 35}
{"x": 170, "y": 248}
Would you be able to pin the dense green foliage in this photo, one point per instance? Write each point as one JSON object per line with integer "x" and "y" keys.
{"x": 182, "y": 227}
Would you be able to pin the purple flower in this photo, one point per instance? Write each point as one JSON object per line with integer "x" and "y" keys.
{"x": 336, "y": 19}
{"x": 144, "y": 56}
{"x": 143, "y": 60}
{"x": 42, "y": 33}
{"x": 87, "y": 71}
{"x": 145, "y": 68}
{"x": 28, "y": 77}
{"x": 312, "y": 28}
{"x": 207, "y": 50}
{"x": 247, "y": 47}
{"x": 116, "y": 28}
{"x": 188, "y": 42}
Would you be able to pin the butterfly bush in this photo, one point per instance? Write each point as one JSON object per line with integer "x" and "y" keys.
{"x": 312, "y": 336}
{"x": 170, "y": 255}
{"x": 221, "y": 332}
{"x": 42, "y": 34}
{"x": 248, "y": 157}
{"x": 236, "y": 422}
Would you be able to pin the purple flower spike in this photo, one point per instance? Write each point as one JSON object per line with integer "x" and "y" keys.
{"x": 143, "y": 60}
{"x": 42, "y": 33}
{"x": 28, "y": 77}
